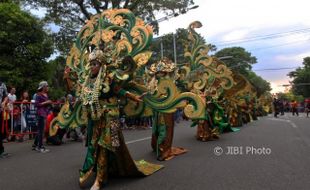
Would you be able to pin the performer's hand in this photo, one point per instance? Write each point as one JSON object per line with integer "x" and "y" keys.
{"x": 138, "y": 99}
{"x": 142, "y": 95}
{"x": 133, "y": 97}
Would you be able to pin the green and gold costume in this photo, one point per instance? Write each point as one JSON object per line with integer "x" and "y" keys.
{"x": 101, "y": 63}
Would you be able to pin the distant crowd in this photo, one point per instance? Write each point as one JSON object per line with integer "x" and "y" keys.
{"x": 282, "y": 106}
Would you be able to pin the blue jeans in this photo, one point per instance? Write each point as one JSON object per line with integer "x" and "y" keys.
{"x": 39, "y": 138}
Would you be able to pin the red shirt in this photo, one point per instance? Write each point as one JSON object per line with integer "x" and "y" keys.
{"x": 49, "y": 119}
{"x": 294, "y": 104}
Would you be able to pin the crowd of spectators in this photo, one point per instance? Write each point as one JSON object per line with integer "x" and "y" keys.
{"x": 23, "y": 118}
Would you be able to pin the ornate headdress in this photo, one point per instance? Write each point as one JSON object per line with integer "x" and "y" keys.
{"x": 97, "y": 55}
{"x": 165, "y": 65}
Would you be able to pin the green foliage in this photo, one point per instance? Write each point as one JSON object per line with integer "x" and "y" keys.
{"x": 181, "y": 38}
{"x": 24, "y": 48}
{"x": 258, "y": 82}
{"x": 70, "y": 15}
{"x": 240, "y": 61}
{"x": 168, "y": 49}
{"x": 301, "y": 79}
{"x": 55, "y": 75}
{"x": 290, "y": 96}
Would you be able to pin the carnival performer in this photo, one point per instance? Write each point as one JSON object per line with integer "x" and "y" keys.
{"x": 107, "y": 153}
{"x": 220, "y": 119}
{"x": 206, "y": 130}
{"x": 163, "y": 123}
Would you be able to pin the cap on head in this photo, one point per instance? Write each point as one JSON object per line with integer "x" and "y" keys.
{"x": 42, "y": 84}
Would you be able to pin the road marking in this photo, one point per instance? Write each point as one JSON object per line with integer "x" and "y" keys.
{"x": 138, "y": 140}
{"x": 285, "y": 120}
{"x": 292, "y": 123}
{"x": 278, "y": 119}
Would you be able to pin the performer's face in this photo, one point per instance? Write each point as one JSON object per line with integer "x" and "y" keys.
{"x": 95, "y": 67}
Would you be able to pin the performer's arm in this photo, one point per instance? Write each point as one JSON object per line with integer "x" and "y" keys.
{"x": 122, "y": 92}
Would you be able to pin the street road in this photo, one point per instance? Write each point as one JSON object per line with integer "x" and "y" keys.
{"x": 271, "y": 153}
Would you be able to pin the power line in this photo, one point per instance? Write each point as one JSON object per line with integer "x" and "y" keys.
{"x": 264, "y": 37}
{"x": 174, "y": 14}
{"x": 305, "y": 30}
{"x": 297, "y": 84}
{"x": 275, "y": 69}
{"x": 279, "y": 45}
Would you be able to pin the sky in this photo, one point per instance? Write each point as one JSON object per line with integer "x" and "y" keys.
{"x": 231, "y": 21}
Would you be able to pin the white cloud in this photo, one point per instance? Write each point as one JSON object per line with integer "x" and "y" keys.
{"x": 223, "y": 15}
{"x": 302, "y": 38}
{"x": 236, "y": 35}
{"x": 292, "y": 57}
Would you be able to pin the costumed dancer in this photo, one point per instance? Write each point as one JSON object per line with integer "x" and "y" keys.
{"x": 163, "y": 123}
{"x": 106, "y": 53}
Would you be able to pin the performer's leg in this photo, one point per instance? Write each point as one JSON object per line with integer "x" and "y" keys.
{"x": 92, "y": 147}
{"x": 102, "y": 171}
{"x": 203, "y": 131}
{"x": 1, "y": 143}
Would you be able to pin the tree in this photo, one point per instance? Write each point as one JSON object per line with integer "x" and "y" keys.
{"x": 290, "y": 96}
{"x": 55, "y": 78}
{"x": 181, "y": 38}
{"x": 301, "y": 79}
{"x": 168, "y": 49}
{"x": 24, "y": 48}
{"x": 70, "y": 15}
{"x": 258, "y": 82}
{"x": 240, "y": 60}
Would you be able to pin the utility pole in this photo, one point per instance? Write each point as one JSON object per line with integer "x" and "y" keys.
{"x": 174, "y": 42}
{"x": 174, "y": 48}
{"x": 161, "y": 48}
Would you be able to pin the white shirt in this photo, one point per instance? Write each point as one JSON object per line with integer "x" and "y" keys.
{"x": 12, "y": 99}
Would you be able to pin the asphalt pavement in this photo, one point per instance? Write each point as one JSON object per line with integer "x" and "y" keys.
{"x": 271, "y": 153}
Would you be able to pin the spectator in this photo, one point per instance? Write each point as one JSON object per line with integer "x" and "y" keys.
{"x": 16, "y": 122}
{"x": 276, "y": 107}
{"x": 3, "y": 91}
{"x": 3, "y": 154}
{"x": 25, "y": 105}
{"x": 3, "y": 94}
{"x": 57, "y": 138}
{"x": 11, "y": 100}
{"x": 5, "y": 118}
{"x": 307, "y": 109}
{"x": 294, "y": 107}
{"x": 34, "y": 96}
{"x": 24, "y": 108}
{"x": 42, "y": 103}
